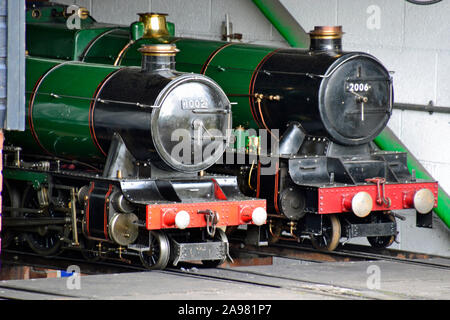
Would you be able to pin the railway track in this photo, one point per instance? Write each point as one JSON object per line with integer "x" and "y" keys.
{"x": 191, "y": 270}
{"x": 344, "y": 254}
{"x": 253, "y": 278}
{"x": 221, "y": 274}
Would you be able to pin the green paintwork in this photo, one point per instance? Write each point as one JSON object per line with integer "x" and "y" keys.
{"x": 137, "y": 30}
{"x": 171, "y": 28}
{"x": 194, "y": 53}
{"x": 53, "y": 15}
{"x": 106, "y": 48}
{"x": 33, "y": 72}
{"x": 51, "y": 36}
{"x": 232, "y": 68}
{"x": 36, "y": 178}
{"x": 65, "y": 43}
{"x": 61, "y": 123}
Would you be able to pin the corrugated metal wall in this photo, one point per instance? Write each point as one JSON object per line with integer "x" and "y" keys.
{"x": 12, "y": 72}
{"x": 12, "y": 64}
{"x": 3, "y": 36}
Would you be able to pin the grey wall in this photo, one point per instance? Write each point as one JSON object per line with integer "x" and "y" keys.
{"x": 411, "y": 40}
{"x": 3, "y": 36}
{"x": 12, "y": 68}
{"x": 198, "y": 18}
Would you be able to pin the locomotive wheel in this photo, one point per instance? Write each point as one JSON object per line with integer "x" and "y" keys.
{"x": 44, "y": 242}
{"x": 331, "y": 234}
{"x": 382, "y": 242}
{"x": 158, "y": 256}
{"x": 218, "y": 236}
{"x": 10, "y": 199}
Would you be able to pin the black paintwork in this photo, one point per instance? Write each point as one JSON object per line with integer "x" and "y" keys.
{"x": 132, "y": 122}
{"x": 314, "y": 91}
{"x": 146, "y": 109}
{"x": 95, "y": 210}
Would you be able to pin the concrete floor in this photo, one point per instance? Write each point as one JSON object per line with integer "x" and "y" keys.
{"x": 285, "y": 279}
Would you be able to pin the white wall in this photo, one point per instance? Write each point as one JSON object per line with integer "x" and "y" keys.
{"x": 196, "y": 18}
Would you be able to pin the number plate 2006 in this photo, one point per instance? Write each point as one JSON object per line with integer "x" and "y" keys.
{"x": 354, "y": 86}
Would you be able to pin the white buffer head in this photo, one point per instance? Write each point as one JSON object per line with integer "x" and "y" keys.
{"x": 182, "y": 219}
{"x": 362, "y": 204}
{"x": 424, "y": 200}
{"x": 259, "y": 216}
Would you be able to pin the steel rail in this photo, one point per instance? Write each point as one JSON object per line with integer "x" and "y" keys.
{"x": 358, "y": 254}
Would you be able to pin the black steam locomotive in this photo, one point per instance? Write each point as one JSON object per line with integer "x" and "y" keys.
{"x": 112, "y": 163}
{"x": 318, "y": 108}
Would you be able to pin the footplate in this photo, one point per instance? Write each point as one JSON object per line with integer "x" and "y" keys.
{"x": 199, "y": 251}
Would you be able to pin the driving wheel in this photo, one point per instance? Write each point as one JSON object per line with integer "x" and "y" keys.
{"x": 44, "y": 240}
{"x": 158, "y": 256}
{"x": 331, "y": 234}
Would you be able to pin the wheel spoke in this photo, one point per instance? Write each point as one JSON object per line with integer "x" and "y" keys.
{"x": 47, "y": 244}
{"x": 331, "y": 233}
{"x": 381, "y": 242}
{"x": 158, "y": 255}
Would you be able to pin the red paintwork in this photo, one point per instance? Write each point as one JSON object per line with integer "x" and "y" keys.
{"x": 231, "y": 213}
{"x": 338, "y": 199}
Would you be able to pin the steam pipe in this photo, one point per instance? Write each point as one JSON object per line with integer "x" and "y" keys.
{"x": 284, "y": 22}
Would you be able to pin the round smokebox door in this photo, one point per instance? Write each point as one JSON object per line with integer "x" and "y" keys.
{"x": 355, "y": 99}
{"x": 192, "y": 125}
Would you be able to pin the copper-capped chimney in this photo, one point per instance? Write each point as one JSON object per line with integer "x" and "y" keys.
{"x": 156, "y": 57}
{"x": 326, "y": 38}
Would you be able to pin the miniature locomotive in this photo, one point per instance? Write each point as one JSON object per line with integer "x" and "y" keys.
{"x": 322, "y": 177}
{"x": 113, "y": 159}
